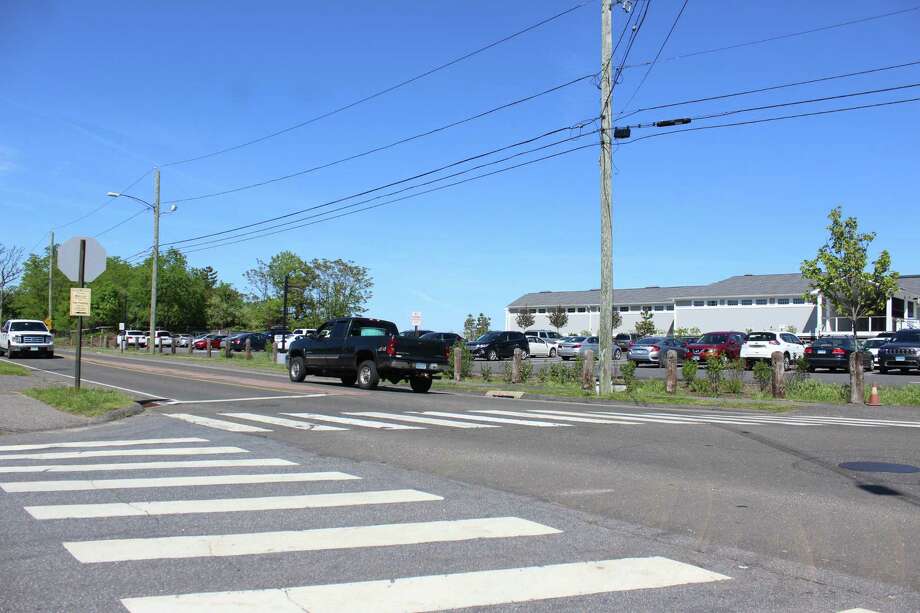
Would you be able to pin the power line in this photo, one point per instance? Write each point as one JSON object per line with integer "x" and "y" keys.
{"x": 405, "y": 189}
{"x": 766, "y": 89}
{"x": 779, "y": 37}
{"x": 384, "y": 147}
{"x": 104, "y": 203}
{"x": 629, "y": 45}
{"x": 770, "y": 119}
{"x": 467, "y": 180}
{"x": 378, "y": 93}
{"x": 657, "y": 55}
{"x": 378, "y": 188}
{"x": 121, "y": 223}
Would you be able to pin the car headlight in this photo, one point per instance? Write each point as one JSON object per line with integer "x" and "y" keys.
{"x": 17, "y": 339}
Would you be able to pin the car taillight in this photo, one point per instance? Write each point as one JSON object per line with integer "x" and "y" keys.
{"x": 809, "y": 350}
{"x": 655, "y": 348}
{"x": 391, "y": 346}
{"x": 838, "y": 351}
{"x": 576, "y": 345}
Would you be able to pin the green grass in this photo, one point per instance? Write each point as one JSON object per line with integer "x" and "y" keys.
{"x": 905, "y": 395}
{"x": 87, "y": 402}
{"x": 6, "y": 368}
{"x": 261, "y": 360}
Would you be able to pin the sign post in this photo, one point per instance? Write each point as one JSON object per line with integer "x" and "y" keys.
{"x": 81, "y": 259}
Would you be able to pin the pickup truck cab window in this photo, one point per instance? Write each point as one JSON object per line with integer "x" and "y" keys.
{"x": 358, "y": 330}
{"x": 339, "y": 329}
{"x": 324, "y": 332}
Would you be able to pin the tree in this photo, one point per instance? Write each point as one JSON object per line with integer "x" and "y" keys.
{"x": 10, "y": 269}
{"x": 339, "y": 288}
{"x": 469, "y": 327}
{"x": 558, "y": 318}
{"x": 524, "y": 319}
{"x": 483, "y": 324}
{"x": 617, "y": 320}
{"x": 646, "y": 324}
{"x": 225, "y": 307}
{"x": 839, "y": 272}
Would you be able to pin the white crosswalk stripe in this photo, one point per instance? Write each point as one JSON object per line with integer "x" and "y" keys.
{"x": 617, "y": 416}
{"x": 497, "y": 420}
{"x": 442, "y": 592}
{"x": 220, "y": 424}
{"x": 422, "y": 420}
{"x": 282, "y": 421}
{"x": 79, "y": 468}
{"x": 88, "y": 444}
{"x": 597, "y": 419}
{"x": 226, "y": 505}
{"x": 107, "y": 453}
{"x": 351, "y": 421}
{"x": 222, "y": 545}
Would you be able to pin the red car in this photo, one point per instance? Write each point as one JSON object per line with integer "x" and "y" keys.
{"x": 214, "y": 339}
{"x": 718, "y": 344}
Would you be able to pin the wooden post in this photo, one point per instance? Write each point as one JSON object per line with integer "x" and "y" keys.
{"x": 857, "y": 392}
{"x": 671, "y": 381}
{"x": 274, "y": 352}
{"x": 248, "y": 348}
{"x": 227, "y": 351}
{"x": 458, "y": 363}
{"x": 587, "y": 371}
{"x": 779, "y": 375}
{"x": 208, "y": 345}
{"x": 191, "y": 346}
{"x": 516, "y": 366}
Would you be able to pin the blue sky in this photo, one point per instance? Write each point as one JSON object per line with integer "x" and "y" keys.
{"x": 95, "y": 94}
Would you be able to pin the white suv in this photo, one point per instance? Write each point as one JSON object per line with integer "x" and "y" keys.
{"x": 162, "y": 338}
{"x": 26, "y": 337}
{"x": 762, "y": 345}
{"x": 549, "y": 336}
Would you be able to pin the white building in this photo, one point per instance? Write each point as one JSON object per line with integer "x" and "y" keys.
{"x": 756, "y": 302}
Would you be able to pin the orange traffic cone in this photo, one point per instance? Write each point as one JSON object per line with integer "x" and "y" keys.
{"x": 873, "y": 397}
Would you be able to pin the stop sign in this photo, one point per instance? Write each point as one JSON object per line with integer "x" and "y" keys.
{"x": 68, "y": 258}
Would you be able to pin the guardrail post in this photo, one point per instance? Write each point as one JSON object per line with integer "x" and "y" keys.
{"x": 779, "y": 376}
{"x": 671, "y": 381}
{"x": 587, "y": 371}
{"x": 458, "y": 363}
{"x": 516, "y": 365}
{"x": 248, "y": 349}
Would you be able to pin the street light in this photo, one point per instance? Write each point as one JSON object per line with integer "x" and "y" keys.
{"x": 155, "y": 207}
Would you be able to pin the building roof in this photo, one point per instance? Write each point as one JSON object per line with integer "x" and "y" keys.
{"x": 910, "y": 284}
{"x": 756, "y": 285}
{"x": 643, "y": 295}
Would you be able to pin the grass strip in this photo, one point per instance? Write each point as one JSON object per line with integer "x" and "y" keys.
{"x": 87, "y": 402}
{"x": 8, "y": 368}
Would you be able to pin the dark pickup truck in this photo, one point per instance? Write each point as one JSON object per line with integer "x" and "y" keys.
{"x": 364, "y": 351}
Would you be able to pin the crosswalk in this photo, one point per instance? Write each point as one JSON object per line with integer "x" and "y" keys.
{"x": 522, "y": 417}
{"x": 96, "y": 531}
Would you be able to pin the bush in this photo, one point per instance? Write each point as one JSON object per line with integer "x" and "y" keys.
{"x": 763, "y": 374}
{"x": 486, "y": 373}
{"x": 506, "y": 375}
{"x": 700, "y": 386}
{"x": 733, "y": 386}
{"x": 466, "y": 362}
{"x": 543, "y": 375}
{"x": 689, "y": 371}
{"x": 526, "y": 370}
{"x": 714, "y": 370}
{"x": 629, "y": 375}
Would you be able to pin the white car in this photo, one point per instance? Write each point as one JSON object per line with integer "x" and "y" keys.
{"x": 294, "y": 335}
{"x": 26, "y": 337}
{"x": 539, "y": 348}
{"x": 163, "y": 339}
{"x": 762, "y": 345}
{"x": 133, "y": 338}
{"x": 872, "y": 346}
{"x": 551, "y": 337}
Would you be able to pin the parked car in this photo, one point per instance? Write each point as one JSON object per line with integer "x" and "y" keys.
{"x": 364, "y": 351}
{"x": 290, "y": 338}
{"x": 134, "y": 338}
{"x": 833, "y": 353}
{"x": 183, "y": 340}
{"x": 873, "y": 345}
{"x": 257, "y": 341}
{"x": 570, "y": 348}
{"x": 498, "y": 345}
{"x": 688, "y": 340}
{"x": 213, "y": 340}
{"x": 625, "y": 340}
{"x": 447, "y": 339}
{"x": 762, "y": 345}
{"x": 902, "y": 351}
{"x": 162, "y": 338}
{"x": 593, "y": 344}
{"x": 725, "y": 345}
{"x": 654, "y": 350}
{"x": 550, "y": 336}
{"x": 540, "y": 348}
{"x": 26, "y": 337}
{"x": 415, "y": 333}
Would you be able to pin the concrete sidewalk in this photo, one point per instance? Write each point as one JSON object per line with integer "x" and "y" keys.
{"x": 19, "y": 413}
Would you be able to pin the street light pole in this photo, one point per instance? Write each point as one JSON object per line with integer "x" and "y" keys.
{"x": 156, "y": 260}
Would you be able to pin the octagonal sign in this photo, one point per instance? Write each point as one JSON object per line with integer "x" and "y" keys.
{"x": 68, "y": 258}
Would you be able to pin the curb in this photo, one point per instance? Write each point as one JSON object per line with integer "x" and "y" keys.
{"x": 115, "y": 414}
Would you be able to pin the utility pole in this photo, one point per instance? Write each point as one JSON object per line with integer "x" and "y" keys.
{"x": 156, "y": 260}
{"x": 50, "y": 276}
{"x": 605, "y": 335}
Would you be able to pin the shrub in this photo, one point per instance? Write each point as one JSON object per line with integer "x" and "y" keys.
{"x": 526, "y": 370}
{"x": 506, "y": 375}
{"x": 733, "y": 386}
{"x": 466, "y": 362}
{"x": 543, "y": 375}
{"x": 486, "y": 373}
{"x": 689, "y": 371}
{"x": 763, "y": 374}
{"x": 714, "y": 369}
{"x": 629, "y": 375}
{"x": 700, "y": 386}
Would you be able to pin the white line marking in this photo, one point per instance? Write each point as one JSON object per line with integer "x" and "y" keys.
{"x": 858, "y": 611}
{"x": 498, "y": 420}
{"x": 72, "y": 485}
{"x": 246, "y": 399}
{"x": 108, "y": 453}
{"x": 79, "y": 468}
{"x": 587, "y": 420}
{"x": 728, "y": 419}
{"x": 857, "y": 421}
{"x": 140, "y": 441}
{"x": 281, "y": 421}
{"x": 706, "y": 418}
{"x": 84, "y": 379}
{"x": 614, "y": 417}
{"x": 441, "y": 592}
{"x": 351, "y": 421}
{"x": 422, "y": 420}
{"x": 220, "y": 424}
{"x": 227, "y": 505}
{"x": 223, "y": 545}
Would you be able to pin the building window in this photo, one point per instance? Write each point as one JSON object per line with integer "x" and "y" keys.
{"x": 747, "y": 302}
{"x": 646, "y": 308}
{"x": 570, "y": 309}
{"x": 910, "y": 310}
{"x": 669, "y": 307}
{"x": 582, "y": 309}
{"x": 595, "y": 309}
{"x": 732, "y": 303}
{"x": 783, "y": 301}
{"x": 761, "y": 301}
{"x": 635, "y": 307}
{"x": 698, "y": 303}
{"x": 772, "y": 300}
{"x": 541, "y": 310}
{"x": 712, "y": 303}
{"x": 533, "y": 310}
{"x": 798, "y": 301}
{"x": 624, "y": 309}
{"x": 659, "y": 307}
{"x": 683, "y": 303}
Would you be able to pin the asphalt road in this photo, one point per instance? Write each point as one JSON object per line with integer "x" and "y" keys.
{"x": 769, "y": 503}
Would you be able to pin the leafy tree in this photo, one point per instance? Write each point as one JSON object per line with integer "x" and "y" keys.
{"x": 10, "y": 269}
{"x": 30, "y": 300}
{"x": 225, "y": 307}
{"x": 524, "y": 319}
{"x": 558, "y": 318}
{"x": 617, "y": 320}
{"x": 469, "y": 327}
{"x": 646, "y": 324}
{"x": 339, "y": 288}
{"x": 841, "y": 272}
{"x": 483, "y": 325}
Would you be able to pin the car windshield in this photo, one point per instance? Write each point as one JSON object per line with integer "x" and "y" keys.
{"x": 761, "y": 336}
{"x": 907, "y": 336}
{"x": 648, "y": 340}
{"x": 28, "y": 326}
{"x": 592, "y": 340}
{"x": 712, "y": 339}
{"x": 488, "y": 337}
{"x": 872, "y": 343}
{"x": 576, "y": 339}
{"x": 833, "y": 342}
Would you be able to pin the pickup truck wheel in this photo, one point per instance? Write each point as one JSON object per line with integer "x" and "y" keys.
{"x": 297, "y": 370}
{"x": 367, "y": 375}
{"x": 420, "y": 385}
{"x": 349, "y": 380}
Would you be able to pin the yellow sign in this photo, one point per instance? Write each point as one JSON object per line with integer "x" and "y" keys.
{"x": 48, "y": 323}
{"x": 80, "y": 299}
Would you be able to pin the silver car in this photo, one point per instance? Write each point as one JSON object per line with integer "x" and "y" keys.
{"x": 593, "y": 344}
{"x": 652, "y": 350}
{"x": 570, "y": 348}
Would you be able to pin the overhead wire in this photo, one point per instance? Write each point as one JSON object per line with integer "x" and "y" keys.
{"x": 121, "y": 223}
{"x": 377, "y": 94}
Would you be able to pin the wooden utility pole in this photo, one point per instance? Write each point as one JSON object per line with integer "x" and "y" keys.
{"x": 605, "y": 334}
{"x": 50, "y": 276}
{"x": 156, "y": 259}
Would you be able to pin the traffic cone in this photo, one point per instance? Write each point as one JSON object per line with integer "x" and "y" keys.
{"x": 873, "y": 397}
